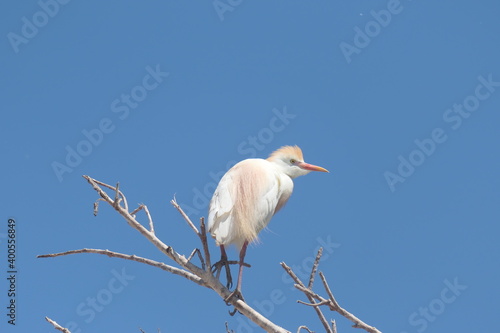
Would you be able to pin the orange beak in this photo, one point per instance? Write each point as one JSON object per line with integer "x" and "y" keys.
{"x": 307, "y": 166}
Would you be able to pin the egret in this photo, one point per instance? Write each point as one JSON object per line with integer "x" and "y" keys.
{"x": 247, "y": 197}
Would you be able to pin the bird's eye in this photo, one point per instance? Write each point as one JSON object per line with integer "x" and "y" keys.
{"x": 292, "y": 161}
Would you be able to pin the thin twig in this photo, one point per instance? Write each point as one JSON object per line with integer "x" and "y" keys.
{"x": 202, "y": 235}
{"x": 151, "y": 224}
{"x": 192, "y": 254}
{"x": 315, "y": 268}
{"x": 309, "y": 293}
{"x": 184, "y": 215}
{"x": 204, "y": 242}
{"x": 125, "y": 205}
{"x": 303, "y": 327}
{"x": 96, "y": 206}
{"x": 148, "y": 215}
{"x": 325, "y": 302}
{"x": 117, "y": 195}
{"x": 57, "y": 326}
{"x": 135, "y": 211}
{"x": 334, "y": 326}
{"x": 329, "y": 291}
{"x": 358, "y": 323}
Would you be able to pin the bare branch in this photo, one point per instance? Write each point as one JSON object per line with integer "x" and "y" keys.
{"x": 165, "y": 267}
{"x": 204, "y": 242}
{"x": 57, "y": 326}
{"x": 96, "y": 206}
{"x": 309, "y": 292}
{"x": 311, "y": 299}
{"x": 334, "y": 326}
{"x": 313, "y": 304}
{"x": 192, "y": 254}
{"x": 117, "y": 195}
{"x": 330, "y": 302}
{"x": 151, "y": 225}
{"x": 135, "y": 211}
{"x": 202, "y": 235}
{"x": 315, "y": 268}
{"x": 148, "y": 215}
{"x": 125, "y": 205}
{"x": 358, "y": 323}
{"x": 184, "y": 215}
{"x": 304, "y": 328}
{"x": 329, "y": 291}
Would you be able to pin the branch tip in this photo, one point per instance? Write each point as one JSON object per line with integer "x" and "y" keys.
{"x": 57, "y": 326}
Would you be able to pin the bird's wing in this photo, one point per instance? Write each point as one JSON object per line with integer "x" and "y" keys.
{"x": 244, "y": 201}
{"x": 221, "y": 205}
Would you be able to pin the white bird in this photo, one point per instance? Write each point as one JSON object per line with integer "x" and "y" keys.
{"x": 248, "y": 196}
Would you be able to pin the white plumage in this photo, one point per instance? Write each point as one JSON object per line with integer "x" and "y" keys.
{"x": 248, "y": 196}
{"x": 246, "y": 199}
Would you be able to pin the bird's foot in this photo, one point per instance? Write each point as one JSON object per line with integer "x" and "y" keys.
{"x": 217, "y": 267}
{"x": 236, "y": 293}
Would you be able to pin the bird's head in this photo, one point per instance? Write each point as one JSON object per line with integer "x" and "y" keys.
{"x": 291, "y": 161}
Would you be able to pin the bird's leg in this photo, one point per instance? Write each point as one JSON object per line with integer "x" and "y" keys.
{"x": 217, "y": 267}
{"x": 237, "y": 292}
{"x": 242, "y": 262}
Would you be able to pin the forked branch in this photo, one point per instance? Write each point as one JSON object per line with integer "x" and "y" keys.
{"x": 316, "y": 301}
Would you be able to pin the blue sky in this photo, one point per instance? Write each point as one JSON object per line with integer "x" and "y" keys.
{"x": 400, "y": 100}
